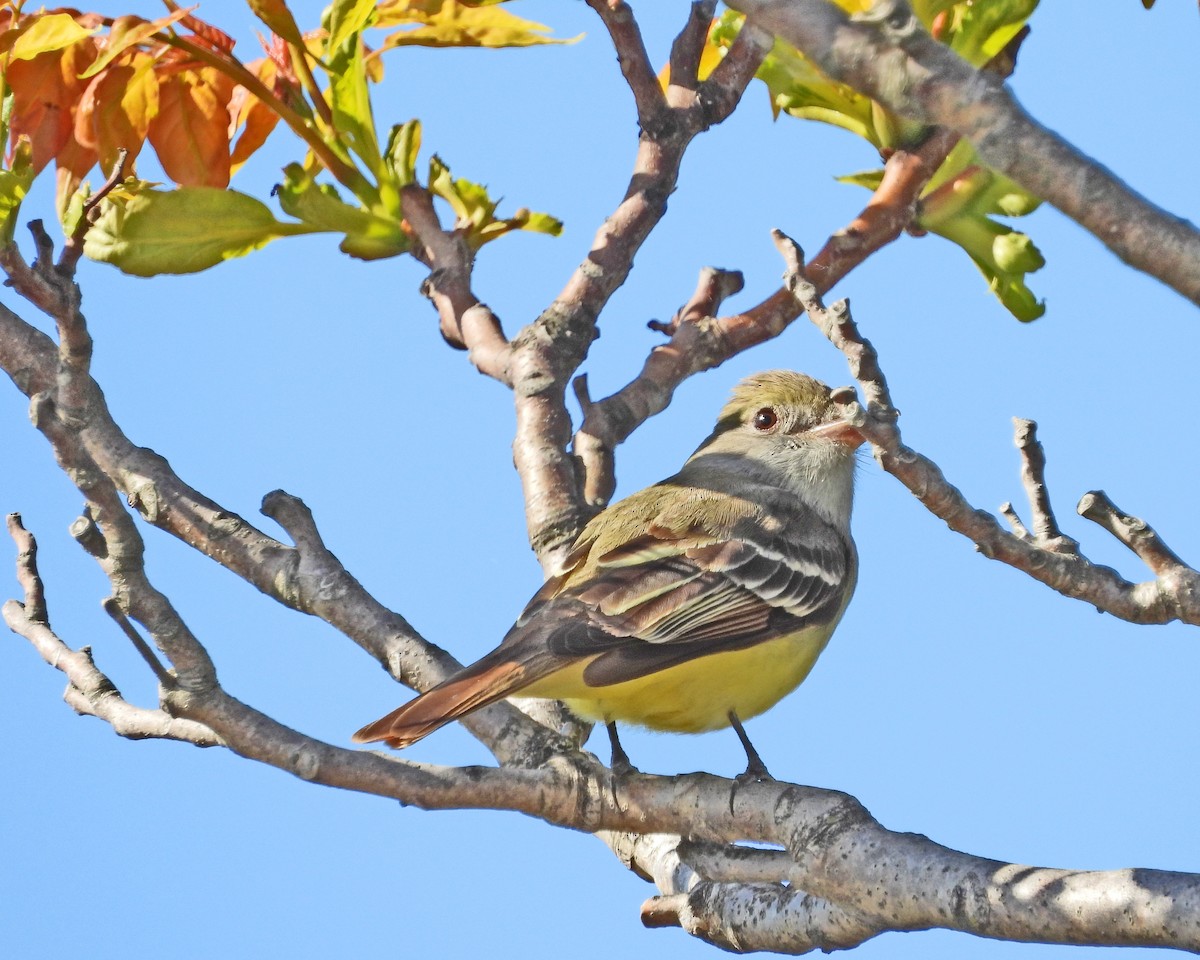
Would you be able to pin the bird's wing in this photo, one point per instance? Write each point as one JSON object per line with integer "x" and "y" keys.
{"x": 699, "y": 581}
{"x": 694, "y": 585}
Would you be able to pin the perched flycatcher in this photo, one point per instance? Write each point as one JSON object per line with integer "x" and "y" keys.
{"x": 693, "y": 604}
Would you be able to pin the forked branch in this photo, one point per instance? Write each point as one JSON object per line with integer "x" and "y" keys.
{"x": 1045, "y": 554}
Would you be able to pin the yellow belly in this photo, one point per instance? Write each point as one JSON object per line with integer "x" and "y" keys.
{"x": 699, "y": 694}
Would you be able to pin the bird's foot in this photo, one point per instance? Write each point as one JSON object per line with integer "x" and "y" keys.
{"x": 620, "y": 765}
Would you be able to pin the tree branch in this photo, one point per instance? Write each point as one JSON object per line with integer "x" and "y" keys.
{"x": 869, "y": 878}
{"x": 91, "y": 448}
{"x": 705, "y": 341}
{"x": 89, "y": 691}
{"x": 546, "y": 354}
{"x": 466, "y": 323}
{"x": 887, "y": 54}
{"x": 635, "y": 63}
{"x": 1173, "y": 595}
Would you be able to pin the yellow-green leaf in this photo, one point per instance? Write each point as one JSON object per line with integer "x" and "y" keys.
{"x": 350, "y": 100}
{"x": 14, "y": 185}
{"x": 147, "y": 232}
{"x": 346, "y": 18}
{"x": 476, "y": 211}
{"x": 450, "y": 23}
{"x": 979, "y": 31}
{"x": 52, "y": 31}
{"x": 368, "y": 237}
{"x": 276, "y": 15}
{"x": 404, "y": 144}
{"x": 128, "y": 32}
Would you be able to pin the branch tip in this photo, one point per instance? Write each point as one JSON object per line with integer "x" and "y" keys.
{"x": 664, "y": 911}
{"x": 27, "y": 571}
{"x": 582, "y": 395}
{"x": 1020, "y": 531}
{"x": 1046, "y": 532}
{"x": 87, "y": 533}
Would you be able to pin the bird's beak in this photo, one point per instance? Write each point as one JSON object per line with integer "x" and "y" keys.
{"x": 839, "y": 431}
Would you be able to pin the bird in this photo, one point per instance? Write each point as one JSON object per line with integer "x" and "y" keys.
{"x": 696, "y": 603}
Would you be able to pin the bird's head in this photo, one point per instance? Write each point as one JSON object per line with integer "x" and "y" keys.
{"x": 785, "y": 426}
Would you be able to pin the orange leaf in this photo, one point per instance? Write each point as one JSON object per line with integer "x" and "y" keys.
{"x": 46, "y": 90}
{"x": 248, "y": 112}
{"x": 190, "y": 134}
{"x": 117, "y": 108}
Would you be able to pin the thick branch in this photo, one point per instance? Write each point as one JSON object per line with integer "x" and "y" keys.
{"x": 887, "y": 54}
{"x": 547, "y": 353}
{"x": 899, "y": 881}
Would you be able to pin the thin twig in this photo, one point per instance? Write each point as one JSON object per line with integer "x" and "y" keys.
{"x": 27, "y": 572}
{"x": 465, "y": 322}
{"x": 1046, "y": 533}
{"x": 686, "y": 52}
{"x": 73, "y": 248}
{"x": 1175, "y": 595}
{"x": 639, "y": 74}
{"x": 1136, "y": 534}
{"x": 91, "y": 693}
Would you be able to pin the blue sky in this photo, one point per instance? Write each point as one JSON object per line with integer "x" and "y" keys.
{"x": 959, "y": 699}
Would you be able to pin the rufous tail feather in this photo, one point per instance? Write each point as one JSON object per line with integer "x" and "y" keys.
{"x": 439, "y": 705}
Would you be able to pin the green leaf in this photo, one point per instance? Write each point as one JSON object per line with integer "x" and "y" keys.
{"x": 871, "y": 179}
{"x": 798, "y": 88}
{"x": 350, "y": 100}
{"x": 982, "y": 30}
{"x": 14, "y": 185}
{"x": 52, "y": 31}
{"x": 147, "y": 232}
{"x": 368, "y": 236}
{"x": 404, "y": 144}
{"x": 73, "y": 211}
{"x": 958, "y": 210}
{"x": 346, "y": 20}
{"x": 958, "y": 203}
{"x": 475, "y": 211}
{"x": 976, "y": 29}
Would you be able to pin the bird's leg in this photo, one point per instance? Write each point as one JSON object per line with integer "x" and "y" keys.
{"x": 756, "y": 770}
{"x": 620, "y": 759}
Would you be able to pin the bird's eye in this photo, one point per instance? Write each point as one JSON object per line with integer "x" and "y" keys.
{"x": 765, "y": 419}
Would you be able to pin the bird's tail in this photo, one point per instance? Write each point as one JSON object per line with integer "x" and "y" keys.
{"x": 475, "y": 687}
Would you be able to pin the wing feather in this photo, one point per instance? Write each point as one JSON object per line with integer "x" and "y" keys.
{"x": 691, "y": 587}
